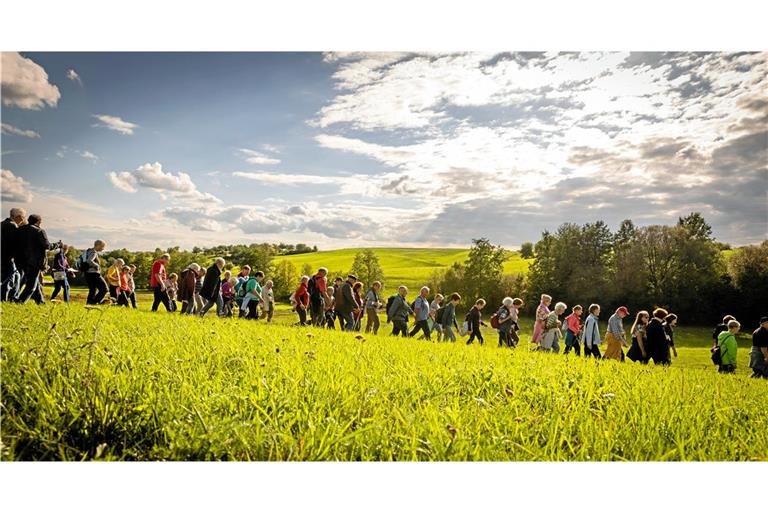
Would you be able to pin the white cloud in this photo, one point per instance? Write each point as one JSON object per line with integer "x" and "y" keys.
{"x": 151, "y": 176}
{"x": 88, "y": 155}
{"x": 25, "y": 83}
{"x": 14, "y": 188}
{"x": 8, "y": 129}
{"x": 257, "y": 158}
{"x": 115, "y": 123}
{"x": 72, "y": 75}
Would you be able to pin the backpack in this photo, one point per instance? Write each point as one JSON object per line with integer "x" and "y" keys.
{"x": 495, "y": 319}
{"x": 717, "y": 355}
{"x": 390, "y": 301}
{"x": 82, "y": 263}
{"x": 241, "y": 293}
{"x": 312, "y": 288}
{"x": 440, "y": 314}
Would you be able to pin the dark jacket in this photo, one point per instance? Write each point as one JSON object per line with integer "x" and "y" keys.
{"x": 211, "y": 283}
{"x": 348, "y": 302}
{"x": 32, "y": 247}
{"x": 8, "y": 241}
{"x": 656, "y": 338}
{"x": 187, "y": 285}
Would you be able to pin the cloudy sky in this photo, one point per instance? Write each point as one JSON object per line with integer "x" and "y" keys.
{"x": 343, "y": 150}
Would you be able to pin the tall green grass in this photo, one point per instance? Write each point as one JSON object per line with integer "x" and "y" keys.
{"x": 109, "y": 383}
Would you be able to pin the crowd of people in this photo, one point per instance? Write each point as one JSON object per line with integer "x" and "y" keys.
{"x": 25, "y": 248}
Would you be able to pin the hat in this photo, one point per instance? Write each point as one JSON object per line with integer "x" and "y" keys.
{"x": 623, "y": 309}
{"x": 352, "y": 276}
{"x": 764, "y": 319}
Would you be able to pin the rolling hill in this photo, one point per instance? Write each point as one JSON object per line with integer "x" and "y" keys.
{"x": 411, "y": 267}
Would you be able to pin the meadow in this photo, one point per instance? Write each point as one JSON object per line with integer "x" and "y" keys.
{"x": 85, "y": 383}
{"x": 411, "y": 267}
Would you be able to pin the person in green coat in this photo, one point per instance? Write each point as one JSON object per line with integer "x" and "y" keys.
{"x": 726, "y": 340}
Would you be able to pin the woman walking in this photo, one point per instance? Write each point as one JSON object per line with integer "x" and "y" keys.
{"x": 449, "y": 317}
{"x": 637, "y": 352}
{"x": 359, "y": 311}
{"x": 372, "y": 304}
{"x": 592, "y": 333}
{"x": 670, "y": 321}
{"x": 615, "y": 337}
{"x": 433, "y": 307}
{"x": 475, "y": 321}
{"x": 507, "y": 323}
{"x": 573, "y": 331}
{"x": 302, "y": 300}
{"x": 553, "y": 332}
{"x": 61, "y": 273}
{"x": 187, "y": 283}
{"x": 542, "y": 313}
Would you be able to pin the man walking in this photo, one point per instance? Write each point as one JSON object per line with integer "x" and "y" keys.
{"x": 421, "y": 314}
{"x": 32, "y": 247}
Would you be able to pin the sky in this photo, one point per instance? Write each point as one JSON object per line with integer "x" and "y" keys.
{"x": 149, "y": 150}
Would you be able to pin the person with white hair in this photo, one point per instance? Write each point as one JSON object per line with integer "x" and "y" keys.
{"x": 421, "y": 314}
{"x": 542, "y": 313}
{"x": 31, "y": 257}
{"x": 433, "y": 307}
{"x": 552, "y": 332}
{"x": 211, "y": 290}
{"x": 398, "y": 312}
{"x": 9, "y": 272}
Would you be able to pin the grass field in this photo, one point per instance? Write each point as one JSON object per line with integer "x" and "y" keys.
{"x": 411, "y": 267}
{"x": 109, "y": 383}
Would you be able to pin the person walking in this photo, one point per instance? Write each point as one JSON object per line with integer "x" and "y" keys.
{"x": 90, "y": 265}
{"x": 33, "y": 246}
{"x": 573, "y": 330}
{"x": 552, "y": 329}
{"x": 199, "y": 301}
{"x": 157, "y": 280}
{"x": 253, "y": 297}
{"x": 637, "y": 351}
{"x": 449, "y": 317}
{"x": 62, "y": 272}
{"x": 211, "y": 290}
{"x": 132, "y": 285}
{"x": 421, "y": 314}
{"x": 268, "y": 294}
{"x": 228, "y": 296}
{"x": 302, "y": 300}
{"x": 317, "y": 287}
{"x": 187, "y": 281}
{"x": 474, "y": 317}
{"x": 758, "y": 356}
{"x": 398, "y": 312}
{"x": 9, "y": 271}
{"x": 726, "y": 341}
{"x": 112, "y": 276}
{"x": 329, "y": 308}
{"x": 657, "y": 347}
{"x": 504, "y": 317}
{"x": 591, "y": 335}
{"x": 345, "y": 303}
{"x": 615, "y": 337}
{"x": 359, "y": 312}
{"x": 172, "y": 288}
{"x": 721, "y": 327}
{"x": 433, "y": 308}
{"x": 670, "y": 321}
{"x": 372, "y": 305}
{"x": 122, "y": 292}
{"x": 542, "y": 313}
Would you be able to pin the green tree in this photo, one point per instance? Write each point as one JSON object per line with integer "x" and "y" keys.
{"x": 695, "y": 226}
{"x": 307, "y": 270}
{"x": 526, "y": 250}
{"x": 285, "y": 277}
{"x": 748, "y": 268}
{"x": 484, "y": 268}
{"x": 367, "y": 268}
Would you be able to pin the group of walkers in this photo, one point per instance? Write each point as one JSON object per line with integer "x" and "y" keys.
{"x": 25, "y": 247}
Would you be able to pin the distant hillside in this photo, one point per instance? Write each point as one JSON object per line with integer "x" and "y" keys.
{"x": 411, "y": 267}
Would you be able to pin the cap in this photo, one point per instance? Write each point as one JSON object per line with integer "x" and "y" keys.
{"x": 353, "y": 276}
{"x": 764, "y": 319}
{"x": 623, "y": 309}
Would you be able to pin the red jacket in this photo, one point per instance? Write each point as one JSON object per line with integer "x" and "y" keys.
{"x": 302, "y": 297}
